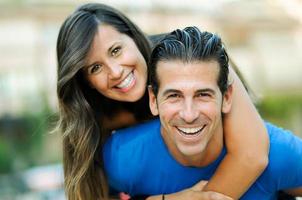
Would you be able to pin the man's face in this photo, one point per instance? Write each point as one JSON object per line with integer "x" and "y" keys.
{"x": 189, "y": 104}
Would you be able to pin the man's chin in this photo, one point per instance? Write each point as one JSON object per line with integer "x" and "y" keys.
{"x": 191, "y": 152}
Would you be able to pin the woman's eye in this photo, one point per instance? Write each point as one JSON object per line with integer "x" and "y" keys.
{"x": 95, "y": 69}
{"x": 115, "y": 51}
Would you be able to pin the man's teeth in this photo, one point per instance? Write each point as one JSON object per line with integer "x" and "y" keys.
{"x": 126, "y": 82}
{"x": 190, "y": 131}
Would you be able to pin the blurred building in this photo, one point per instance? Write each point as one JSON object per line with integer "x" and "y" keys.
{"x": 263, "y": 37}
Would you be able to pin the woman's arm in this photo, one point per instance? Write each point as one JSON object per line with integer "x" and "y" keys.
{"x": 194, "y": 193}
{"x": 247, "y": 146}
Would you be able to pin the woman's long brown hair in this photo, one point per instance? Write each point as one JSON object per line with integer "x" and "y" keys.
{"x": 81, "y": 109}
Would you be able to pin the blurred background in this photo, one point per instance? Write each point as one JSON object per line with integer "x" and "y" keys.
{"x": 264, "y": 38}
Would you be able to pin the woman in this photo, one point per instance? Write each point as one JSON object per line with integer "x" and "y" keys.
{"x": 102, "y": 77}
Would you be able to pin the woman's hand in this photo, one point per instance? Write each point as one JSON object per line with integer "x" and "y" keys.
{"x": 194, "y": 193}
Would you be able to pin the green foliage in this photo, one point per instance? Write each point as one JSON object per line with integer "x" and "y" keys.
{"x": 281, "y": 109}
{"x": 21, "y": 140}
{"x": 5, "y": 159}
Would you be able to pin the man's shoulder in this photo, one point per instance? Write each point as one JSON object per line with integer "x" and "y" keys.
{"x": 282, "y": 140}
{"x": 131, "y": 138}
{"x": 285, "y": 159}
{"x": 144, "y": 126}
{"x": 283, "y": 145}
{"x": 135, "y": 133}
{"x": 125, "y": 149}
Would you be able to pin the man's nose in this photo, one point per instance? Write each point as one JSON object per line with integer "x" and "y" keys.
{"x": 188, "y": 112}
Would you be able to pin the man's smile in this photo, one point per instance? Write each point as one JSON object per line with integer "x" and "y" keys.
{"x": 190, "y": 130}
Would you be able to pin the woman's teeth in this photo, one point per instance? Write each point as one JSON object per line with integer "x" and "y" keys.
{"x": 126, "y": 82}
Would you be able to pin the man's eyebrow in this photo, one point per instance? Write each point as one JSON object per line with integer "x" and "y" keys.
{"x": 209, "y": 90}
{"x": 168, "y": 91}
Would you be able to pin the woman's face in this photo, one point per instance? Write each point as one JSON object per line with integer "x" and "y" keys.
{"x": 115, "y": 67}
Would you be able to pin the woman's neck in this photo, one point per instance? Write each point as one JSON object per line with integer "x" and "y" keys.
{"x": 119, "y": 120}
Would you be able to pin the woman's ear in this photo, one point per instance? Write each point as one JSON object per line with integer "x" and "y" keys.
{"x": 152, "y": 101}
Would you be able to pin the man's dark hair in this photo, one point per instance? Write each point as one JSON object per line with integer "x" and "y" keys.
{"x": 189, "y": 45}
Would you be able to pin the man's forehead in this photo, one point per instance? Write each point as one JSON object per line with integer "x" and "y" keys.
{"x": 177, "y": 75}
{"x": 171, "y": 69}
{"x": 191, "y": 86}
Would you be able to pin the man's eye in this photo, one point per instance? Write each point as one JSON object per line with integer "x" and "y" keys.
{"x": 115, "y": 51}
{"x": 170, "y": 96}
{"x": 95, "y": 69}
{"x": 203, "y": 95}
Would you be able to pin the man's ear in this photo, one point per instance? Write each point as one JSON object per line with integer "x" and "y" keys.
{"x": 152, "y": 101}
{"x": 227, "y": 99}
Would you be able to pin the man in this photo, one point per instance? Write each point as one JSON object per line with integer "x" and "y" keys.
{"x": 190, "y": 93}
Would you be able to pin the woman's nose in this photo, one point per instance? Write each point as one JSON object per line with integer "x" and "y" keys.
{"x": 115, "y": 71}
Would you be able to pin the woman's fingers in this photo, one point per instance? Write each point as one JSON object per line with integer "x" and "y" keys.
{"x": 199, "y": 186}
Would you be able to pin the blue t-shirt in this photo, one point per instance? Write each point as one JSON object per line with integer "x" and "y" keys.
{"x": 138, "y": 162}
